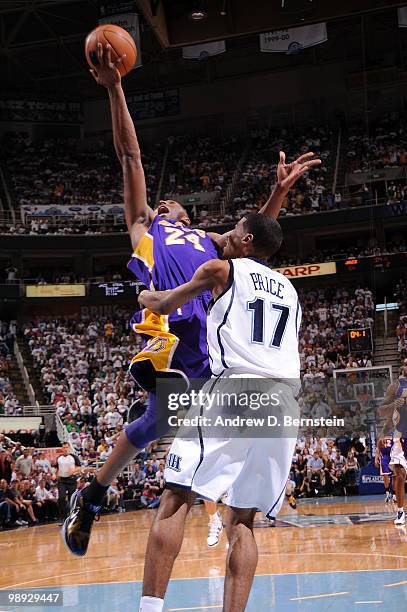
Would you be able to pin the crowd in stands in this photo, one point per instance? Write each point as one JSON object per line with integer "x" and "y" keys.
{"x": 61, "y": 172}
{"x": 29, "y": 492}
{"x": 70, "y": 226}
{"x": 400, "y": 295}
{"x": 70, "y": 173}
{"x": 201, "y": 163}
{"x": 327, "y": 314}
{"x": 336, "y": 253}
{"x": 327, "y": 466}
{"x": 82, "y": 365}
{"x": 310, "y": 194}
{"x": 384, "y": 147}
{"x": 9, "y": 403}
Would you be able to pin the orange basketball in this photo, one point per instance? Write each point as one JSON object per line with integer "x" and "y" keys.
{"x": 120, "y": 42}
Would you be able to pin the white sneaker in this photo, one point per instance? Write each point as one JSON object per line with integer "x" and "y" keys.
{"x": 215, "y": 530}
{"x": 401, "y": 518}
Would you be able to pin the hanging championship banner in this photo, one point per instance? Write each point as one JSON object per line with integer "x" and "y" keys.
{"x": 202, "y": 51}
{"x": 130, "y": 23}
{"x": 402, "y": 15}
{"x": 293, "y": 39}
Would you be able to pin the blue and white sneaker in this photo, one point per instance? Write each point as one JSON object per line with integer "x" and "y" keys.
{"x": 401, "y": 518}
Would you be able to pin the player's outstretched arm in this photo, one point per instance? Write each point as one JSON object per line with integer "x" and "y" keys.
{"x": 287, "y": 176}
{"x": 212, "y": 275}
{"x": 137, "y": 212}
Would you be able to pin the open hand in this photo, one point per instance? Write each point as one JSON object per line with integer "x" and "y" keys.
{"x": 288, "y": 174}
{"x": 106, "y": 72}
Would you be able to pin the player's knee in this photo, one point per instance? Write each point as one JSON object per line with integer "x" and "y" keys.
{"x": 147, "y": 428}
{"x": 239, "y": 522}
{"x": 173, "y": 500}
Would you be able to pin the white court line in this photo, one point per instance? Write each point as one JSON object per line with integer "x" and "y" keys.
{"x": 368, "y": 602}
{"x": 86, "y": 571}
{"x": 197, "y": 608}
{"x": 319, "y": 596}
{"x": 392, "y": 584}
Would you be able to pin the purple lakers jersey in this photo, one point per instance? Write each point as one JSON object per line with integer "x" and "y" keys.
{"x": 169, "y": 253}
{"x": 167, "y": 256}
{"x": 385, "y": 447}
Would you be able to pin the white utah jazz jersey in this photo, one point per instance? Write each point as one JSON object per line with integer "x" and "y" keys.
{"x": 253, "y": 325}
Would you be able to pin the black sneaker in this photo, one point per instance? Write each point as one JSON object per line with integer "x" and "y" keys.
{"x": 77, "y": 527}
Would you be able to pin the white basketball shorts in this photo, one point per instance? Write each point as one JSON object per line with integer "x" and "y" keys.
{"x": 250, "y": 472}
{"x": 397, "y": 456}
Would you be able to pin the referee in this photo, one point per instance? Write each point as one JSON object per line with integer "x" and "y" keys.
{"x": 67, "y": 466}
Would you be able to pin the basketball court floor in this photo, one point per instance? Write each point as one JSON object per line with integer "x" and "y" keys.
{"x": 330, "y": 554}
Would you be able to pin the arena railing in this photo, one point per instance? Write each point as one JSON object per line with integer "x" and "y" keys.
{"x": 26, "y": 379}
{"x": 38, "y": 410}
{"x": 86, "y": 223}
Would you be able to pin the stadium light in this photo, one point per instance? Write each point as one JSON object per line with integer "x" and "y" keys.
{"x": 199, "y": 10}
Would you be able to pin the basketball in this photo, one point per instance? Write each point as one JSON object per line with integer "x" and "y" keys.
{"x": 120, "y": 42}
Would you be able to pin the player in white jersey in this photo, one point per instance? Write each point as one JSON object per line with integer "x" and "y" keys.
{"x": 252, "y": 333}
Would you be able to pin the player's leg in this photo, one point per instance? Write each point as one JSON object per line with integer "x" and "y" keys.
{"x": 215, "y": 523}
{"x": 400, "y": 481}
{"x": 241, "y": 559}
{"x": 386, "y": 481}
{"x": 77, "y": 527}
{"x": 163, "y": 546}
{"x": 391, "y": 487}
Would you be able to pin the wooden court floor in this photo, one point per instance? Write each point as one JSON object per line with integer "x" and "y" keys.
{"x": 324, "y": 536}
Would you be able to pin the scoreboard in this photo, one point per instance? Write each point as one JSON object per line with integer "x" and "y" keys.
{"x": 128, "y": 289}
{"x": 360, "y": 340}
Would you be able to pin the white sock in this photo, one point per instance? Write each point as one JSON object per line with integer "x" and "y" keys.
{"x": 400, "y": 509}
{"x": 151, "y": 604}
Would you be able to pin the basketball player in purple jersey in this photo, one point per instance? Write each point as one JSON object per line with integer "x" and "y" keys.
{"x": 395, "y": 408}
{"x": 166, "y": 254}
{"x": 382, "y": 461}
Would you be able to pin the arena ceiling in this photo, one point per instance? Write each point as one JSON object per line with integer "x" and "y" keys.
{"x": 41, "y": 41}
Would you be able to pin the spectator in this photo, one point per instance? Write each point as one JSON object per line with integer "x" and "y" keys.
{"x": 5, "y": 467}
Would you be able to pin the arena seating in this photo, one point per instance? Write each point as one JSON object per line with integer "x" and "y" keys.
{"x": 201, "y": 163}
{"x": 36, "y": 484}
{"x": 400, "y": 294}
{"x": 64, "y": 175}
{"x": 82, "y": 365}
{"x": 385, "y": 147}
{"x": 325, "y": 466}
{"x": 9, "y": 402}
{"x": 327, "y": 314}
{"x": 310, "y": 193}
{"x": 59, "y": 172}
{"x": 339, "y": 252}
